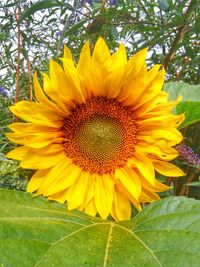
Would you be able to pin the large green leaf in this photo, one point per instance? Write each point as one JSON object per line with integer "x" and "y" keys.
{"x": 188, "y": 92}
{"x": 35, "y": 232}
{"x": 192, "y": 112}
{"x": 190, "y": 104}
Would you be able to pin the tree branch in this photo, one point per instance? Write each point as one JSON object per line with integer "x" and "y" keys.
{"x": 180, "y": 34}
{"x": 18, "y": 54}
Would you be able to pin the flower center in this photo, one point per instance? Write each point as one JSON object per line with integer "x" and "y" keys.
{"x": 100, "y": 135}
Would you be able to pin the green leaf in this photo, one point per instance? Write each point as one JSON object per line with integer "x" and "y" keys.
{"x": 188, "y": 92}
{"x": 44, "y": 4}
{"x": 37, "y": 232}
{"x": 7, "y": 166}
{"x": 165, "y": 4}
{"x": 193, "y": 184}
{"x": 192, "y": 112}
{"x": 75, "y": 27}
{"x": 190, "y": 100}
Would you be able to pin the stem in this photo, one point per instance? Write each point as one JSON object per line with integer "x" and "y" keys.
{"x": 102, "y": 6}
{"x": 30, "y": 84}
{"x": 143, "y": 7}
{"x": 189, "y": 179}
{"x": 18, "y": 54}
{"x": 180, "y": 34}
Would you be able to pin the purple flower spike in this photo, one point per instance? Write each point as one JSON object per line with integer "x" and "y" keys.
{"x": 3, "y": 92}
{"x": 188, "y": 155}
{"x": 89, "y": 2}
{"x": 112, "y": 2}
{"x": 58, "y": 34}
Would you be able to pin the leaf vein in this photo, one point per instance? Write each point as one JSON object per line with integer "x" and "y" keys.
{"x": 163, "y": 215}
{"x": 143, "y": 244}
{"x": 108, "y": 244}
{"x": 64, "y": 237}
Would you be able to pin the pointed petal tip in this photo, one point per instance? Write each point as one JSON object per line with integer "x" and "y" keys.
{"x": 12, "y": 108}
{"x": 67, "y": 52}
{"x": 143, "y": 51}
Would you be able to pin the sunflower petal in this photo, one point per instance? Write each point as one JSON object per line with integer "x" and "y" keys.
{"x": 67, "y": 53}
{"x": 121, "y": 206}
{"x": 167, "y": 169}
{"x": 77, "y": 192}
{"x": 130, "y": 180}
{"x": 61, "y": 177}
{"x": 90, "y": 208}
{"x": 18, "y": 153}
{"x": 103, "y": 195}
{"x": 37, "y": 113}
{"x": 36, "y": 180}
{"x": 144, "y": 166}
{"x": 100, "y": 52}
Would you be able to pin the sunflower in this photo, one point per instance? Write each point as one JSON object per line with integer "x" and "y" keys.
{"x": 98, "y": 132}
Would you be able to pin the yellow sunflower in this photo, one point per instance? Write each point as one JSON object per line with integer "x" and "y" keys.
{"x": 98, "y": 132}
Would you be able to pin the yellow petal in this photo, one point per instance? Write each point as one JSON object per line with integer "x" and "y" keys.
{"x": 154, "y": 106}
{"x": 18, "y": 153}
{"x": 158, "y": 187}
{"x": 42, "y": 98}
{"x": 159, "y": 149}
{"x": 67, "y": 53}
{"x": 136, "y": 65}
{"x": 90, "y": 208}
{"x": 91, "y": 189}
{"x": 34, "y": 141}
{"x": 144, "y": 166}
{"x": 114, "y": 78}
{"x": 37, "y": 113}
{"x": 85, "y": 58}
{"x": 171, "y": 120}
{"x": 130, "y": 180}
{"x": 20, "y": 127}
{"x": 66, "y": 82}
{"x": 134, "y": 81}
{"x": 59, "y": 197}
{"x": 167, "y": 169}
{"x": 120, "y": 56}
{"x": 153, "y": 88}
{"x": 63, "y": 177}
{"x": 77, "y": 192}
{"x": 129, "y": 93}
{"x": 172, "y": 135}
{"x": 100, "y": 52}
{"x": 121, "y": 206}
{"x": 124, "y": 191}
{"x": 36, "y": 180}
{"x": 166, "y": 107}
{"x": 44, "y": 161}
{"x": 148, "y": 196}
{"x": 103, "y": 195}
{"x": 39, "y": 94}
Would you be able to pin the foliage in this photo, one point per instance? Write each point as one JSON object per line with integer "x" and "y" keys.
{"x": 190, "y": 100}
{"x": 47, "y": 25}
{"x": 11, "y": 175}
{"x": 5, "y": 119}
{"x": 40, "y": 233}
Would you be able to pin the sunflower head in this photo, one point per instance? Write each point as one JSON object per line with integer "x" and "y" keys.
{"x": 98, "y": 132}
